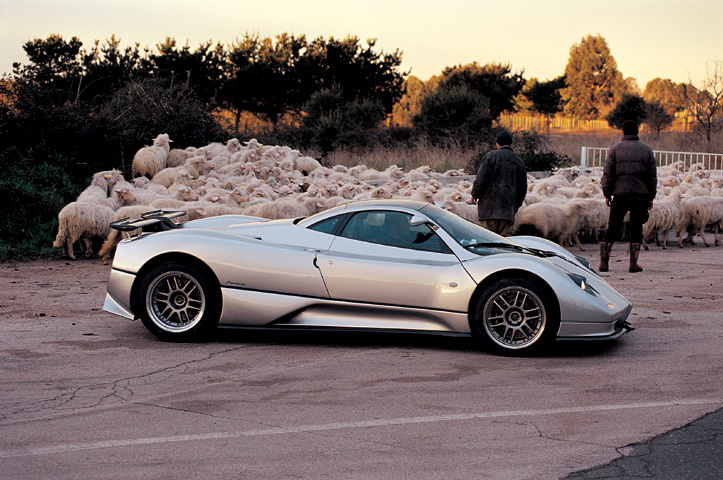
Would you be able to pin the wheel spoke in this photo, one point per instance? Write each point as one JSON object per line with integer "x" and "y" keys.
{"x": 500, "y": 307}
{"x": 517, "y": 302}
{"x": 167, "y": 311}
{"x": 505, "y": 332}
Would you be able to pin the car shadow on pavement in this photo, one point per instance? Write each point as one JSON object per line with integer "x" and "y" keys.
{"x": 343, "y": 338}
{"x": 385, "y": 339}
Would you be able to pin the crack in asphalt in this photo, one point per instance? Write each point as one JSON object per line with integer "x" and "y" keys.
{"x": 540, "y": 434}
{"x": 120, "y": 389}
{"x": 59, "y": 405}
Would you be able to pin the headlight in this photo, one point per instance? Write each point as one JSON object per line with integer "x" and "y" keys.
{"x": 581, "y": 282}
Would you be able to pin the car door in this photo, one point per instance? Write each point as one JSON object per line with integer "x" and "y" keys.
{"x": 280, "y": 258}
{"x": 367, "y": 264}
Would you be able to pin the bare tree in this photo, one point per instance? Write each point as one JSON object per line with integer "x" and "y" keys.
{"x": 705, "y": 101}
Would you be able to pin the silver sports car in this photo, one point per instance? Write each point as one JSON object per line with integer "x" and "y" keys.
{"x": 392, "y": 265}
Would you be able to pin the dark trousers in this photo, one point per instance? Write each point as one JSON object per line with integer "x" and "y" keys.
{"x": 637, "y": 205}
{"x": 496, "y": 225}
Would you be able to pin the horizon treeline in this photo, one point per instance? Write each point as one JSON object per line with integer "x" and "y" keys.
{"x": 325, "y": 86}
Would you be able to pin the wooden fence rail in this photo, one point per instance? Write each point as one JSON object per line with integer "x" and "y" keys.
{"x": 516, "y": 122}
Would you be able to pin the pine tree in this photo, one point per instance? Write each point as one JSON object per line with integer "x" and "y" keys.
{"x": 594, "y": 84}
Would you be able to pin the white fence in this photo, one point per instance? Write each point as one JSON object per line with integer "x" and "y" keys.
{"x": 592, "y": 159}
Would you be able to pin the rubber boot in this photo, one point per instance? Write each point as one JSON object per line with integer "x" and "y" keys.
{"x": 605, "y": 249}
{"x": 634, "y": 255}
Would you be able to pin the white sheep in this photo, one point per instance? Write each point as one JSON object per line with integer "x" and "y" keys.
{"x": 594, "y": 219}
{"x": 221, "y": 155}
{"x": 120, "y": 194}
{"x": 306, "y": 165}
{"x": 191, "y": 170}
{"x": 547, "y": 186}
{"x": 287, "y": 207}
{"x": 100, "y": 186}
{"x": 461, "y": 208}
{"x": 144, "y": 183}
{"x": 696, "y": 214}
{"x": 554, "y": 221}
{"x": 279, "y": 182}
{"x": 177, "y": 157}
{"x": 107, "y": 179}
{"x": 152, "y": 159}
{"x": 82, "y": 221}
{"x": 663, "y": 217}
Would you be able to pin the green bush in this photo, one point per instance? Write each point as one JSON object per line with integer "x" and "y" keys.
{"x": 49, "y": 153}
{"x": 630, "y": 107}
{"x": 534, "y": 151}
{"x": 334, "y": 122}
{"x": 143, "y": 109}
{"x": 33, "y": 189}
{"x": 458, "y": 113}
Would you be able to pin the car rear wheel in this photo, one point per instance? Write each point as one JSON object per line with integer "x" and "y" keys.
{"x": 514, "y": 316}
{"x": 179, "y": 302}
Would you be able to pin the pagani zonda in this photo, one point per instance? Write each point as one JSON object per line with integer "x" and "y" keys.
{"x": 395, "y": 265}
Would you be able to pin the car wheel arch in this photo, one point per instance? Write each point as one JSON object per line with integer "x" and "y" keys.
{"x": 510, "y": 273}
{"x": 165, "y": 258}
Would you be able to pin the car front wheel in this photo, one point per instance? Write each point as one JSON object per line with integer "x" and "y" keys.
{"x": 178, "y": 302}
{"x": 514, "y": 316}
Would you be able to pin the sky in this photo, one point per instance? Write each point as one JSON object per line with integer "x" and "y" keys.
{"x": 673, "y": 39}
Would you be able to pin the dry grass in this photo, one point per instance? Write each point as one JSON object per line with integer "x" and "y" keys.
{"x": 571, "y": 144}
{"x": 441, "y": 159}
{"x": 407, "y": 158}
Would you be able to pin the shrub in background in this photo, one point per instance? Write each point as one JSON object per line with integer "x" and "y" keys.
{"x": 49, "y": 152}
{"x": 34, "y": 186}
{"x": 535, "y": 152}
{"x": 143, "y": 109}
{"x": 458, "y": 112}
{"x": 532, "y": 148}
{"x": 332, "y": 121}
{"x": 630, "y": 107}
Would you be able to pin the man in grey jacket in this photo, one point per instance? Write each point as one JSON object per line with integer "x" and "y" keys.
{"x": 629, "y": 184}
{"x": 500, "y": 186}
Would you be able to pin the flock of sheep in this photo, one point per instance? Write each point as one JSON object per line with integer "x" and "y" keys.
{"x": 279, "y": 182}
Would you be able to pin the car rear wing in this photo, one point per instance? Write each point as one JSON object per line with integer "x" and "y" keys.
{"x": 153, "y": 221}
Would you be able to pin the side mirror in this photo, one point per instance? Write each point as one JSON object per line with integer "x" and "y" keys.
{"x": 419, "y": 220}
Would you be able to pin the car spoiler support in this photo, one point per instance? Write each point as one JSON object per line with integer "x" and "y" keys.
{"x": 153, "y": 221}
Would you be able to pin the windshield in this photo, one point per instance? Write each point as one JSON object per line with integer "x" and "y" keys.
{"x": 468, "y": 234}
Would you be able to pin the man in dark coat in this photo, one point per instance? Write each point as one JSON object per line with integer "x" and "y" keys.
{"x": 629, "y": 183}
{"x": 500, "y": 186}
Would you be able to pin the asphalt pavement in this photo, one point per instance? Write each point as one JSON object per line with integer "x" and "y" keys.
{"x": 88, "y": 395}
{"x": 691, "y": 452}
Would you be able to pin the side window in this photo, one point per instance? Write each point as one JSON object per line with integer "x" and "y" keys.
{"x": 393, "y": 229}
{"x": 327, "y": 225}
{"x": 426, "y": 239}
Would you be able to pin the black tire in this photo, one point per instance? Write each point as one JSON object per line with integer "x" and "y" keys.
{"x": 515, "y": 316}
{"x": 178, "y": 302}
